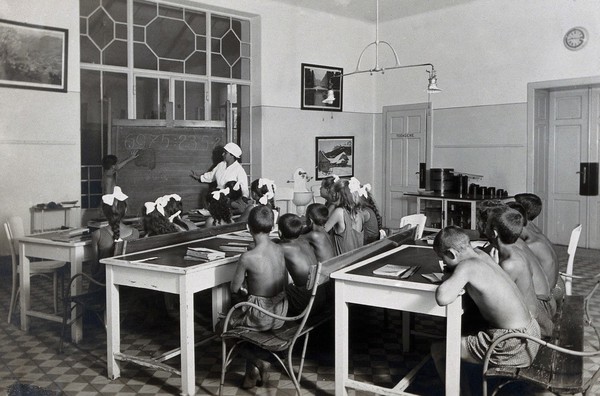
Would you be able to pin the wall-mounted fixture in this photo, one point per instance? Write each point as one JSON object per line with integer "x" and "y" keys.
{"x": 431, "y": 87}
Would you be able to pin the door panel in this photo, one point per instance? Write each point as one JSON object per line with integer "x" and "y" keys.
{"x": 404, "y": 148}
{"x": 568, "y": 146}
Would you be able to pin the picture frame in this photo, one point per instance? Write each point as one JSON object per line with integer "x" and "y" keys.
{"x": 37, "y": 56}
{"x": 317, "y": 80}
{"x": 334, "y": 156}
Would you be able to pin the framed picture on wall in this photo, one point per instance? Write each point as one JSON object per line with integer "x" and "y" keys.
{"x": 33, "y": 56}
{"x": 316, "y": 82}
{"x": 335, "y": 156}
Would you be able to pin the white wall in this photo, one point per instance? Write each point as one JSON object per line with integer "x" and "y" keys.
{"x": 485, "y": 53}
{"x": 39, "y": 130}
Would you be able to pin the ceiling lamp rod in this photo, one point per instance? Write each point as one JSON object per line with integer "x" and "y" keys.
{"x": 431, "y": 87}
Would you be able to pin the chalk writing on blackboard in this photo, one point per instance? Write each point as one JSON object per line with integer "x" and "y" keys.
{"x": 133, "y": 141}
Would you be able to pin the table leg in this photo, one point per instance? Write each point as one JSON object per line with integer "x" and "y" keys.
{"x": 76, "y": 259}
{"x": 186, "y": 313}
{"x": 25, "y": 286}
{"x": 453, "y": 345}
{"x": 220, "y": 302}
{"x": 406, "y": 332}
{"x": 113, "y": 324}
{"x": 341, "y": 340}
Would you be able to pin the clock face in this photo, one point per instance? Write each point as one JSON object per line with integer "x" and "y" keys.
{"x": 575, "y": 38}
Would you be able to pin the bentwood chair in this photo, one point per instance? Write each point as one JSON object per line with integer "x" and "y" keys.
{"x": 47, "y": 268}
{"x": 279, "y": 343}
{"x": 568, "y": 274}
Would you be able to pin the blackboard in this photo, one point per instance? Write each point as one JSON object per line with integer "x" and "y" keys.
{"x": 166, "y": 156}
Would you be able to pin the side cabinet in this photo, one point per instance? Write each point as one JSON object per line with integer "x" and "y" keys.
{"x": 442, "y": 212}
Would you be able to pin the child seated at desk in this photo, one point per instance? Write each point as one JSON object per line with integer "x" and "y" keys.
{"x": 495, "y": 294}
{"x": 372, "y": 226}
{"x": 154, "y": 220}
{"x": 503, "y": 227}
{"x": 316, "y": 217}
{"x": 218, "y": 206}
{"x": 263, "y": 271}
{"x": 539, "y": 244}
{"x": 262, "y": 192}
{"x": 114, "y": 207}
{"x": 346, "y": 222}
{"x": 173, "y": 206}
{"x": 299, "y": 258}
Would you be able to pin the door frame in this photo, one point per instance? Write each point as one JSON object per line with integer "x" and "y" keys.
{"x": 536, "y": 160}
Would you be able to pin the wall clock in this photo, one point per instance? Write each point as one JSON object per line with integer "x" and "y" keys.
{"x": 575, "y": 38}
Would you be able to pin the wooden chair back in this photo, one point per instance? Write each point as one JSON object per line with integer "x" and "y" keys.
{"x": 418, "y": 220}
{"x": 571, "y": 251}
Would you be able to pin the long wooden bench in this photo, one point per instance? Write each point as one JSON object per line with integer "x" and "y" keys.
{"x": 558, "y": 366}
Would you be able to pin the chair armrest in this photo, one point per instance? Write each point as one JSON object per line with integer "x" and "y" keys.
{"x": 486, "y": 360}
{"x": 563, "y": 274}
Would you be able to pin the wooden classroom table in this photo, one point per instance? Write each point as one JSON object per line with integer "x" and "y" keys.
{"x": 358, "y": 285}
{"x": 43, "y": 246}
{"x": 168, "y": 272}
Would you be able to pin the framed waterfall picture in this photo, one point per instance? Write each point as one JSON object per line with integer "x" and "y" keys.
{"x": 335, "y": 156}
{"x": 33, "y": 56}
{"x": 317, "y": 81}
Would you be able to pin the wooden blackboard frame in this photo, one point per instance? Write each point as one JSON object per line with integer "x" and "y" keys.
{"x": 167, "y": 153}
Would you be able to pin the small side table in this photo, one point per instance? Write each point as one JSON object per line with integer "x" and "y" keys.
{"x": 42, "y": 210}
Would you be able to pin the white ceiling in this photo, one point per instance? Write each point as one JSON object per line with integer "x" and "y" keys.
{"x": 366, "y": 9}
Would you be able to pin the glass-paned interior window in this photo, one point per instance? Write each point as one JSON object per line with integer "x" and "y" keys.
{"x": 172, "y": 67}
{"x": 189, "y": 100}
{"x": 230, "y": 49}
{"x": 152, "y": 95}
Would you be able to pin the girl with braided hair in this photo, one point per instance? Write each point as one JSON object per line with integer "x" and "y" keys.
{"x": 346, "y": 221}
{"x": 114, "y": 207}
{"x": 219, "y": 208}
{"x": 372, "y": 223}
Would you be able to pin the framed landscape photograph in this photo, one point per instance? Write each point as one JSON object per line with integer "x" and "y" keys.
{"x": 33, "y": 56}
{"x": 316, "y": 82}
{"x": 335, "y": 156}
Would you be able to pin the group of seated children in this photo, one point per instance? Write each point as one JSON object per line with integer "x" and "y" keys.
{"x": 263, "y": 272}
{"x": 516, "y": 293}
{"x": 164, "y": 215}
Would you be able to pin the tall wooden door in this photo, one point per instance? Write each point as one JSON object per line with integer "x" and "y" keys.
{"x": 405, "y": 146}
{"x": 572, "y": 139}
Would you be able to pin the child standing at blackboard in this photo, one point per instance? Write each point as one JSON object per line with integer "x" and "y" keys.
{"x": 110, "y": 166}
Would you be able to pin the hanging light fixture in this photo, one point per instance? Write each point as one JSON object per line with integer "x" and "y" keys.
{"x": 377, "y": 68}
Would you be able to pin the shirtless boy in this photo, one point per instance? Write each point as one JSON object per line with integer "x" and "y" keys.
{"x": 503, "y": 227}
{"x": 539, "y": 244}
{"x": 316, "y": 217}
{"x": 299, "y": 258}
{"x": 263, "y": 271}
{"x": 495, "y": 294}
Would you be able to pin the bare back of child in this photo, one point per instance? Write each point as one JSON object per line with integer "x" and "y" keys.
{"x": 503, "y": 229}
{"x": 495, "y": 294}
{"x": 316, "y": 217}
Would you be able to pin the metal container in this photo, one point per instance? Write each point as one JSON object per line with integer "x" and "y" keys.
{"x": 442, "y": 179}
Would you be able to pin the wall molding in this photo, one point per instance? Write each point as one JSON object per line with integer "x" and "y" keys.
{"x": 494, "y": 146}
{"x": 38, "y": 142}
